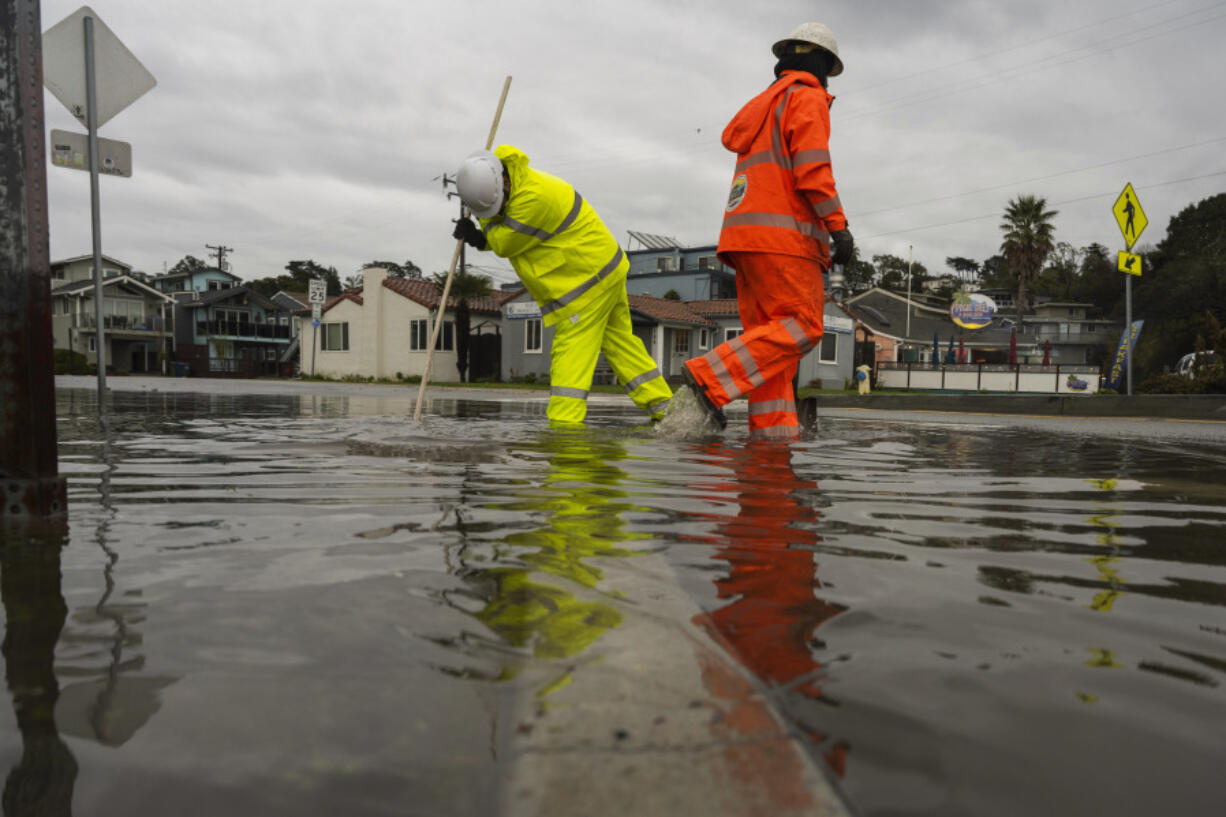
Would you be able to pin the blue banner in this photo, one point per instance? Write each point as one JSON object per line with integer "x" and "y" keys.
{"x": 1119, "y": 363}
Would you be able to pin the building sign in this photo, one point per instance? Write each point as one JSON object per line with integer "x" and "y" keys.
{"x": 522, "y": 309}
{"x": 840, "y": 324}
{"x": 972, "y": 311}
{"x": 1119, "y": 363}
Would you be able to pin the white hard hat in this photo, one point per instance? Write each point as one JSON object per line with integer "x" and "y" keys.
{"x": 479, "y": 181}
{"x": 817, "y": 34}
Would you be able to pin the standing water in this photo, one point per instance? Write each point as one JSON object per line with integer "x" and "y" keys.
{"x": 306, "y": 604}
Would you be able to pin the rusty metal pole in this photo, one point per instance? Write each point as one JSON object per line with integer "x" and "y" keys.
{"x": 30, "y": 487}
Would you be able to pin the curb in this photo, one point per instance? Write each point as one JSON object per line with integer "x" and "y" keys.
{"x": 1160, "y": 406}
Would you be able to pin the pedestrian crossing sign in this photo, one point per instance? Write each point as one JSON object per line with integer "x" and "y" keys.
{"x": 1129, "y": 263}
{"x": 1129, "y": 215}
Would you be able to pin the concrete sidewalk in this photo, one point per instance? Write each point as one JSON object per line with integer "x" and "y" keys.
{"x": 1163, "y": 406}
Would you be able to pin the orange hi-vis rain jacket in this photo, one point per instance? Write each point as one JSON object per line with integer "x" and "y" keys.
{"x": 783, "y": 199}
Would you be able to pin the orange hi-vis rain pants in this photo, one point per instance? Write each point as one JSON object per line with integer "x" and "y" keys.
{"x": 780, "y": 299}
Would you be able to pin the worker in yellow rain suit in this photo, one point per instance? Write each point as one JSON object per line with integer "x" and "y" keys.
{"x": 571, "y": 264}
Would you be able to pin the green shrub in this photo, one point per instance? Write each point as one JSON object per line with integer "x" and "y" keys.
{"x": 66, "y": 361}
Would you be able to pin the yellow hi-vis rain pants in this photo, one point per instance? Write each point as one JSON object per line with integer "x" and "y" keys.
{"x": 603, "y": 325}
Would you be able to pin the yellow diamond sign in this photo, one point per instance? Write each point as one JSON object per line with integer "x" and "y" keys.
{"x": 1129, "y": 215}
{"x": 1129, "y": 263}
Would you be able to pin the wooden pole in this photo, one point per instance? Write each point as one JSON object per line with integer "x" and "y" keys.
{"x": 455, "y": 257}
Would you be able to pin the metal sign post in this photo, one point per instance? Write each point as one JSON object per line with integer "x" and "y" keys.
{"x": 70, "y": 72}
{"x": 318, "y": 293}
{"x": 1132, "y": 222}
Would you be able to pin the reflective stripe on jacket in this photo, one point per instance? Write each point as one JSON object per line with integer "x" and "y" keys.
{"x": 556, "y": 242}
{"x": 783, "y": 198}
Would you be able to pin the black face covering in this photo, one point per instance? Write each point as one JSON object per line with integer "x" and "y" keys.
{"x": 817, "y": 62}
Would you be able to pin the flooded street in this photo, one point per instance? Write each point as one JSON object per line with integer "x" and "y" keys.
{"x": 300, "y": 602}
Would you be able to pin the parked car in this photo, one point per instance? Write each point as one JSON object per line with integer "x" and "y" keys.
{"x": 1187, "y": 364}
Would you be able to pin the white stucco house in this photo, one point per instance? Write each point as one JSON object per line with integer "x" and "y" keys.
{"x": 383, "y": 331}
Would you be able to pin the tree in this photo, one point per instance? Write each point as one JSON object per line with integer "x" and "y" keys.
{"x": 672, "y": 295}
{"x": 187, "y": 264}
{"x": 406, "y": 270}
{"x": 297, "y": 279}
{"x": 858, "y": 273}
{"x": 892, "y": 273}
{"x": 1028, "y": 232}
{"x": 967, "y": 269}
{"x": 1059, "y": 277}
{"x": 464, "y": 285}
{"x": 994, "y": 273}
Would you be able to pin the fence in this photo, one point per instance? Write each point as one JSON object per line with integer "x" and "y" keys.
{"x": 975, "y": 377}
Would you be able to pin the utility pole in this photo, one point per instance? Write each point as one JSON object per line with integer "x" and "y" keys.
{"x": 220, "y": 251}
{"x": 30, "y": 487}
{"x": 910, "y": 259}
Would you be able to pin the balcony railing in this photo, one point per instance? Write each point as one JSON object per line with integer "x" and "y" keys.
{"x": 242, "y": 329}
{"x": 120, "y": 323}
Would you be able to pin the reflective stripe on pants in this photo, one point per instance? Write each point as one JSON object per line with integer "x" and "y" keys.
{"x": 780, "y": 299}
{"x": 601, "y": 326}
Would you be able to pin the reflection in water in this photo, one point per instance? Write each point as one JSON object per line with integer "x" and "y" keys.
{"x": 582, "y": 505}
{"x": 34, "y": 609}
{"x": 771, "y": 610}
{"x": 112, "y": 703}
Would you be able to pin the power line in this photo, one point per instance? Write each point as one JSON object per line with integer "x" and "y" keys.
{"x": 1053, "y": 204}
{"x": 1042, "y": 178}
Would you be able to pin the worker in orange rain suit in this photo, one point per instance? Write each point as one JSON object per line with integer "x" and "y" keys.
{"x": 572, "y": 265}
{"x": 782, "y": 216}
{"x": 769, "y": 607}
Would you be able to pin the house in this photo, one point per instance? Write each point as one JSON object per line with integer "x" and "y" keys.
{"x": 384, "y": 330}
{"x": 137, "y": 320}
{"x": 1073, "y": 336}
{"x": 662, "y": 266}
{"x": 902, "y": 329}
{"x": 672, "y": 332}
{"x": 223, "y": 328}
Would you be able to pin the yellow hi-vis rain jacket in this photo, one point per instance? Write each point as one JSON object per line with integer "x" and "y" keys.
{"x": 557, "y": 243}
{"x": 574, "y": 269}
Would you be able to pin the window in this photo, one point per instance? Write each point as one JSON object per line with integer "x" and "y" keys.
{"x": 729, "y": 334}
{"x": 708, "y": 262}
{"x": 57, "y": 273}
{"x": 419, "y": 335}
{"x": 665, "y": 264}
{"x": 93, "y": 343}
{"x": 704, "y": 338}
{"x": 532, "y": 335}
{"x": 334, "y": 337}
{"x": 65, "y": 306}
{"x": 681, "y": 344}
{"x": 270, "y": 353}
{"x": 829, "y": 352}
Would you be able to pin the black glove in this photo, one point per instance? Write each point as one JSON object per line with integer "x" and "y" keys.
{"x": 842, "y": 246}
{"x": 467, "y": 230}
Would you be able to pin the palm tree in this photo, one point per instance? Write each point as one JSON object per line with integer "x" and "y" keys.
{"x": 1028, "y": 241}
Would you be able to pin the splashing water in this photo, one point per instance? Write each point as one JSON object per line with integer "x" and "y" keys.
{"x": 686, "y": 418}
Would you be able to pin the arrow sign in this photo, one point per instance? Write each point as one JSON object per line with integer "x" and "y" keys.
{"x": 1129, "y": 263}
{"x": 1129, "y": 215}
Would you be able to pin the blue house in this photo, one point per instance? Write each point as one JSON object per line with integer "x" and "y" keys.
{"x": 225, "y": 329}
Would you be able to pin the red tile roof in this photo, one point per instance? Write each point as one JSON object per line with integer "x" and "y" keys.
{"x": 663, "y": 309}
{"x": 427, "y": 294}
{"x": 724, "y": 306}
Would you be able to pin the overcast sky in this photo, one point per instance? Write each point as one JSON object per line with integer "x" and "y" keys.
{"x": 311, "y": 129}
